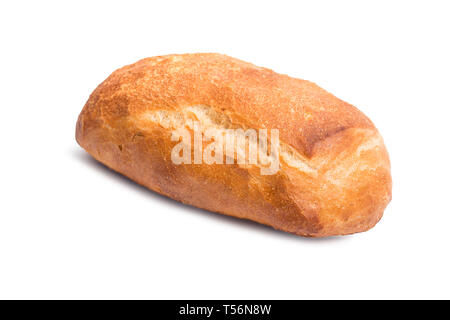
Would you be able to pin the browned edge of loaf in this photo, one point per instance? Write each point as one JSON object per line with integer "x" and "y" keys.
{"x": 334, "y": 174}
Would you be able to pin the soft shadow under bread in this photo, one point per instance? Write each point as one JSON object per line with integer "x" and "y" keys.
{"x": 86, "y": 159}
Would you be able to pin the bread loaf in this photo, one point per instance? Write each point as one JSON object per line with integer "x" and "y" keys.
{"x": 333, "y": 171}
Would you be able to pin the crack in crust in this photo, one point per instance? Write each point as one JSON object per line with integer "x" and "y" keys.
{"x": 210, "y": 119}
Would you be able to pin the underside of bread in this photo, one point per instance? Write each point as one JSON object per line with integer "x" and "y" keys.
{"x": 334, "y": 172}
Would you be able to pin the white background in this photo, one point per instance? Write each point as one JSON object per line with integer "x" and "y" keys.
{"x": 69, "y": 228}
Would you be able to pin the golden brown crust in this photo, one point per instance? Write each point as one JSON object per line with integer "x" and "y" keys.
{"x": 334, "y": 175}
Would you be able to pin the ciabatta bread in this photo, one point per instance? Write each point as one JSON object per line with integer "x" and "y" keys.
{"x": 334, "y": 172}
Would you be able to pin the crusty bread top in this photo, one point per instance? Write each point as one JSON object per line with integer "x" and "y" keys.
{"x": 303, "y": 112}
